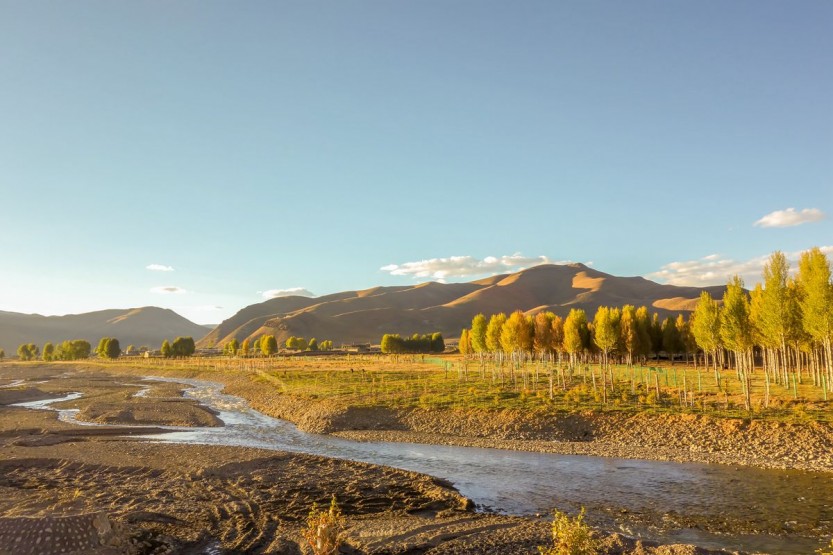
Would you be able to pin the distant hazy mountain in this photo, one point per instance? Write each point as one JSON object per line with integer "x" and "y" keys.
{"x": 363, "y": 316}
{"x": 148, "y": 325}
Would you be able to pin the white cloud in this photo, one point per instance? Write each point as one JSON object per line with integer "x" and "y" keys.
{"x": 168, "y": 290}
{"x": 717, "y": 270}
{"x": 275, "y": 293}
{"x": 466, "y": 266}
{"x": 159, "y": 268}
{"x": 790, "y": 217}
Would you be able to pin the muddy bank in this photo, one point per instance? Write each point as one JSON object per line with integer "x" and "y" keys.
{"x": 148, "y": 412}
{"x": 111, "y": 401}
{"x": 198, "y": 499}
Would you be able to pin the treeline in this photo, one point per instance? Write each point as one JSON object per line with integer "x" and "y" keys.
{"x": 393, "y": 343}
{"x": 785, "y": 323}
{"x": 180, "y": 348}
{"x": 632, "y": 334}
{"x": 75, "y": 349}
{"x": 300, "y": 344}
{"x": 267, "y": 345}
{"x": 108, "y": 347}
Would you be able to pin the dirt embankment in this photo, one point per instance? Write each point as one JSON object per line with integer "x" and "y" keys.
{"x": 684, "y": 437}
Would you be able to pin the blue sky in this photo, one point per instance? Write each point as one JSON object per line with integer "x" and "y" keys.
{"x": 261, "y": 146}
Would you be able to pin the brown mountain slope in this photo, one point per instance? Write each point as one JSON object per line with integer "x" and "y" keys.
{"x": 148, "y": 325}
{"x": 364, "y": 316}
{"x": 248, "y": 320}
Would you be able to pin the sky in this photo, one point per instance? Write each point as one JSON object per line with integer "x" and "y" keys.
{"x": 206, "y": 155}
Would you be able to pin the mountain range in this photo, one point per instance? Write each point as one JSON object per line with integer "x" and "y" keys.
{"x": 364, "y": 316}
{"x": 148, "y": 326}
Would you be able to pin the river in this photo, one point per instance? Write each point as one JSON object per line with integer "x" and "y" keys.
{"x": 715, "y": 506}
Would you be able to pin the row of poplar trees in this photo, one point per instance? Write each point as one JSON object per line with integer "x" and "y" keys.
{"x": 785, "y": 323}
{"x": 76, "y": 349}
{"x": 267, "y": 345}
{"x": 630, "y": 332}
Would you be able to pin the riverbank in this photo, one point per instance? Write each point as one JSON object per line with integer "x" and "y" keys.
{"x": 666, "y": 437}
{"x": 170, "y": 498}
{"x": 622, "y": 434}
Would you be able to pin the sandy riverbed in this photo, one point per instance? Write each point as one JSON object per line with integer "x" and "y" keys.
{"x": 164, "y": 498}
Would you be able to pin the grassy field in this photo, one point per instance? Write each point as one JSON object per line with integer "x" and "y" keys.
{"x": 449, "y": 382}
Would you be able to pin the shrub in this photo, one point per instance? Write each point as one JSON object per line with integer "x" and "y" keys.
{"x": 571, "y": 536}
{"x": 325, "y": 529}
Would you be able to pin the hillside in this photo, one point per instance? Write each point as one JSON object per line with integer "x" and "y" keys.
{"x": 137, "y": 326}
{"x": 363, "y": 316}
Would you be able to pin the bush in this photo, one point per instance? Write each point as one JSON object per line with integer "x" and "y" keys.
{"x": 571, "y": 536}
{"x": 325, "y": 529}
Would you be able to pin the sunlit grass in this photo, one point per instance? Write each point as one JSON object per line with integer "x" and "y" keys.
{"x": 449, "y": 382}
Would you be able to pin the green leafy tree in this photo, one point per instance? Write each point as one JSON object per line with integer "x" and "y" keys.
{"x": 183, "y": 346}
{"x": 464, "y": 345}
{"x": 326, "y": 345}
{"x": 48, "y": 352}
{"x": 167, "y": 350}
{"x": 606, "y": 334}
{"x": 392, "y": 343}
{"x": 478, "y": 335}
{"x": 493, "y": 330}
{"x": 293, "y": 343}
{"x": 736, "y": 329}
{"x": 246, "y": 348}
{"x": 268, "y": 345}
{"x": 112, "y": 349}
{"x": 736, "y": 332}
{"x": 776, "y": 318}
{"x": 313, "y": 345}
{"x": 575, "y": 329}
{"x": 687, "y": 343}
{"x": 629, "y": 332}
{"x": 643, "y": 332}
{"x": 232, "y": 347}
{"x": 816, "y": 302}
{"x": 706, "y": 327}
{"x": 256, "y": 345}
{"x": 101, "y": 348}
{"x": 2, "y": 354}
{"x": 76, "y": 349}
{"x": 437, "y": 344}
{"x": 23, "y": 352}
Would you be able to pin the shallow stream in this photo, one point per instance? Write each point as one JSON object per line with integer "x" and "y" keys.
{"x": 716, "y": 506}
